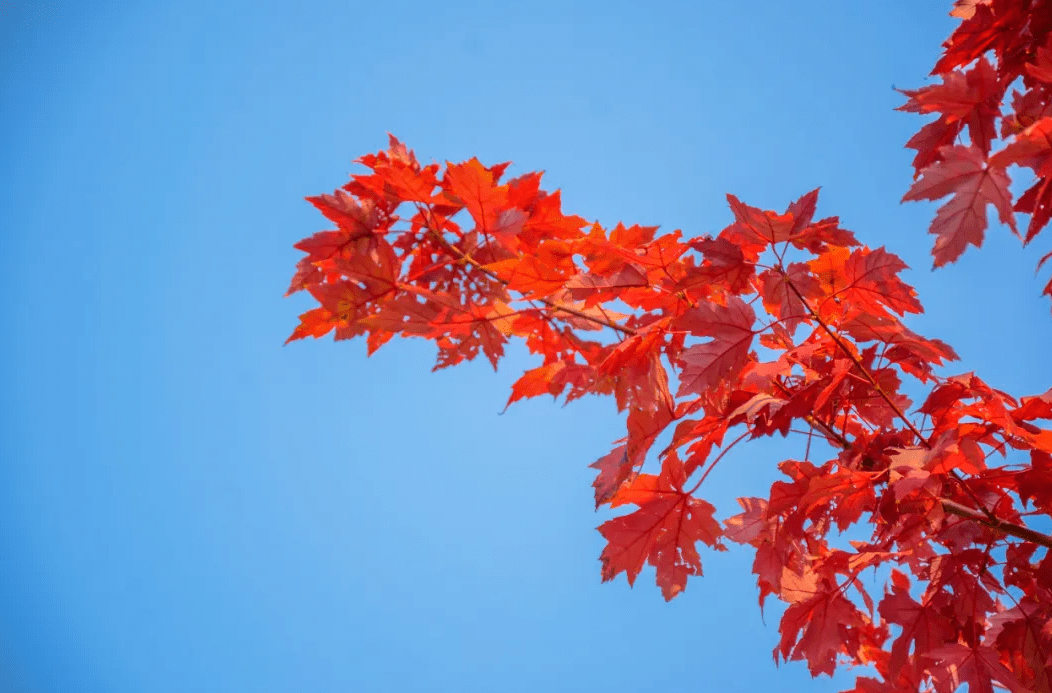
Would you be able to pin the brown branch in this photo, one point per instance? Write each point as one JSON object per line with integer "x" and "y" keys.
{"x": 984, "y": 515}
{"x": 887, "y": 398}
{"x": 858, "y": 364}
{"x": 1000, "y": 525}
{"x": 830, "y": 431}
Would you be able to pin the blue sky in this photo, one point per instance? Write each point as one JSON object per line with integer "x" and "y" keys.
{"x": 185, "y": 505}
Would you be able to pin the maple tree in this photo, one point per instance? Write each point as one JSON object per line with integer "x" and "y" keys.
{"x": 781, "y": 323}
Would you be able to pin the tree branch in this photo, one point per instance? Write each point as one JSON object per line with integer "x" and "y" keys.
{"x": 1000, "y": 525}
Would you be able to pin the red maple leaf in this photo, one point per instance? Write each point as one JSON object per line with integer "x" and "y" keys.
{"x": 707, "y": 365}
{"x": 924, "y": 626}
{"x": 1041, "y": 68}
{"x": 751, "y": 525}
{"x": 1035, "y": 484}
{"x": 475, "y": 186}
{"x": 783, "y": 293}
{"x": 355, "y": 218}
{"x": 866, "y": 279}
{"x": 755, "y": 229}
{"x": 978, "y": 666}
{"x": 664, "y": 531}
{"x": 1005, "y": 42}
{"x": 589, "y": 287}
{"x": 724, "y": 264}
{"x": 818, "y": 625}
{"x": 971, "y": 98}
{"x": 963, "y": 173}
{"x": 995, "y": 25}
{"x": 1032, "y": 148}
{"x": 614, "y": 469}
{"x": 965, "y": 9}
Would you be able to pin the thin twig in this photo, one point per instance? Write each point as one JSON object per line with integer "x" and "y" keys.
{"x": 858, "y": 363}
{"x": 1000, "y": 525}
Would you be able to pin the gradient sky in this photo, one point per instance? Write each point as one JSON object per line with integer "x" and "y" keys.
{"x": 185, "y": 505}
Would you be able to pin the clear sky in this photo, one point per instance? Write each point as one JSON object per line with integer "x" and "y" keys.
{"x": 186, "y": 505}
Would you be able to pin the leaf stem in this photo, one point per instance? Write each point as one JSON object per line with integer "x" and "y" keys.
{"x": 717, "y": 460}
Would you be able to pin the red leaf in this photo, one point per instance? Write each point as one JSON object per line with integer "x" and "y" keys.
{"x": 586, "y": 285}
{"x": 537, "y": 381}
{"x": 822, "y": 235}
{"x": 702, "y": 437}
{"x": 355, "y": 218}
{"x": 866, "y": 280}
{"x": 614, "y": 469}
{"x": 872, "y": 280}
{"x": 930, "y": 140}
{"x": 756, "y": 229}
{"x": 475, "y": 186}
{"x": 969, "y": 98}
{"x": 964, "y": 174}
{"x": 1041, "y": 68}
{"x": 546, "y": 219}
{"x": 1035, "y": 484}
{"x": 408, "y": 182}
{"x": 979, "y": 667}
{"x": 722, "y": 359}
{"x": 663, "y": 531}
{"x": 316, "y": 322}
{"x": 818, "y": 629}
{"x": 965, "y": 9}
{"x": 1032, "y": 148}
{"x": 802, "y": 211}
{"x": 1039, "y": 407}
{"x": 924, "y": 626}
{"x": 984, "y": 30}
{"x": 913, "y": 353}
{"x": 724, "y": 263}
{"x": 780, "y": 293}
{"x": 306, "y": 273}
{"x": 748, "y": 526}
{"x": 531, "y": 275}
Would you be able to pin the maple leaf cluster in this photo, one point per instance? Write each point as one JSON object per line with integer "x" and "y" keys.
{"x": 781, "y": 323}
{"x": 1017, "y": 37}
